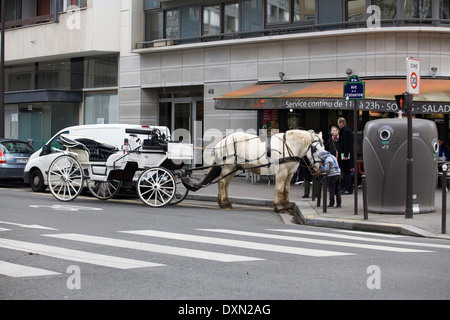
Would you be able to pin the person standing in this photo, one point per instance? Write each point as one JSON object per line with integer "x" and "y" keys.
{"x": 331, "y": 168}
{"x": 346, "y": 155}
{"x": 332, "y": 144}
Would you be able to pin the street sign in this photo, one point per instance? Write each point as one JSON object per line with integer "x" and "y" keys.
{"x": 354, "y": 89}
{"x": 413, "y": 75}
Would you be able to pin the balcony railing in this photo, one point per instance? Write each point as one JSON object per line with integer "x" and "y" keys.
{"x": 30, "y": 21}
{"x": 292, "y": 30}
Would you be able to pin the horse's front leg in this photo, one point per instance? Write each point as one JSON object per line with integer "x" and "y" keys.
{"x": 222, "y": 196}
{"x": 287, "y": 188}
{"x": 279, "y": 204}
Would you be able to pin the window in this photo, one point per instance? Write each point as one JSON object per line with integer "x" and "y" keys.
{"x": 418, "y": 9}
{"x": 278, "y": 11}
{"x": 74, "y": 4}
{"x": 231, "y": 18}
{"x": 304, "y": 10}
{"x": 54, "y": 75}
{"x": 252, "y": 13}
{"x": 20, "y": 77}
{"x": 101, "y": 108}
{"x": 190, "y": 21}
{"x": 355, "y": 10}
{"x": 288, "y": 11}
{"x": 388, "y": 8}
{"x": 444, "y": 9}
{"x": 211, "y": 20}
{"x": 101, "y": 71}
{"x": 154, "y": 26}
{"x": 149, "y": 4}
{"x": 172, "y": 24}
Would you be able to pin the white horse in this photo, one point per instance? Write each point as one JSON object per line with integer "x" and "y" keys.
{"x": 279, "y": 156}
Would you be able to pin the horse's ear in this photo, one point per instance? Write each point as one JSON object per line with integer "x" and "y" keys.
{"x": 320, "y": 134}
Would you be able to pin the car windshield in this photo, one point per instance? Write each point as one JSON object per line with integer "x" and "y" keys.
{"x": 17, "y": 147}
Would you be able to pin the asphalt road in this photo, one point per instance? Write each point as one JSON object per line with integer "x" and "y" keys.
{"x": 123, "y": 249}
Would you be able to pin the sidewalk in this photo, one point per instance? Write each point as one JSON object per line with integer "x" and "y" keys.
{"x": 306, "y": 211}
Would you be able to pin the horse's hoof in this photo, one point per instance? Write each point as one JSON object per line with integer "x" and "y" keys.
{"x": 226, "y": 206}
{"x": 283, "y": 209}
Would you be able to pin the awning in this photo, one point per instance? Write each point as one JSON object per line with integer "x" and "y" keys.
{"x": 43, "y": 95}
{"x": 379, "y": 96}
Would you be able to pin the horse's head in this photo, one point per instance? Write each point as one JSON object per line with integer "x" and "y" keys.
{"x": 314, "y": 148}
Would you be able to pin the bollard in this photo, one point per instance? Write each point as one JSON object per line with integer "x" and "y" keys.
{"x": 444, "y": 199}
{"x": 363, "y": 182}
{"x": 324, "y": 193}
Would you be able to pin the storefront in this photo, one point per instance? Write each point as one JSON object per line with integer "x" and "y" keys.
{"x": 35, "y": 115}
{"x": 317, "y": 105}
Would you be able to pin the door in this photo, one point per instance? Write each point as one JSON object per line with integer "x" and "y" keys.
{"x": 30, "y": 127}
{"x": 181, "y": 124}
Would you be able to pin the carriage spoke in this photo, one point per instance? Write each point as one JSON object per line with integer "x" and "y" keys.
{"x": 65, "y": 178}
{"x": 156, "y": 186}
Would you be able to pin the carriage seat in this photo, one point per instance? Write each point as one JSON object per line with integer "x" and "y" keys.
{"x": 153, "y": 144}
{"x": 98, "y": 152}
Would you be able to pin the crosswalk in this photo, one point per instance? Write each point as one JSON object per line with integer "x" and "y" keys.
{"x": 257, "y": 246}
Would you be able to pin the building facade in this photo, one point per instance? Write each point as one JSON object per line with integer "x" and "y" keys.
{"x": 198, "y": 62}
{"x": 193, "y": 65}
{"x": 61, "y": 66}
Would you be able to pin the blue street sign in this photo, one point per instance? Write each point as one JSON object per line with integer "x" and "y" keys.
{"x": 354, "y": 89}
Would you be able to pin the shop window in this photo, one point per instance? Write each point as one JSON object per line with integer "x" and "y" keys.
{"x": 19, "y": 78}
{"x": 101, "y": 108}
{"x": 54, "y": 75}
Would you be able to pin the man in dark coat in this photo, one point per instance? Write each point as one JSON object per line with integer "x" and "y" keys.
{"x": 346, "y": 155}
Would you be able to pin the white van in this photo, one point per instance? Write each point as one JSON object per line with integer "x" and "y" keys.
{"x": 35, "y": 173}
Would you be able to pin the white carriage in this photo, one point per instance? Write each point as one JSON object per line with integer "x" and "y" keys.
{"x": 146, "y": 154}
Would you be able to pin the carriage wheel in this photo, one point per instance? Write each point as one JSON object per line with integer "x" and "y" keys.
{"x": 65, "y": 178}
{"x": 104, "y": 190}
{"x": 181, "y": 191}
{"x": 156, "y": 186}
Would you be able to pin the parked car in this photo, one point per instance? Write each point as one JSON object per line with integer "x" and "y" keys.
{"x": 35, "y": 173}
{"x": 14, "y": 155}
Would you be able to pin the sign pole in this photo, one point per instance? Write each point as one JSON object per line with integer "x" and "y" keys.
{"x": 409, "y": 165}
{"x": 354, "y": 89}
{"x": 2, "y": 72}
{"x": 413, "y": 87}
{"x": 355, "y": 159}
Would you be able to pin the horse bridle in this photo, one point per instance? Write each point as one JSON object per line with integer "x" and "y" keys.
{"x": 313, "y": 148}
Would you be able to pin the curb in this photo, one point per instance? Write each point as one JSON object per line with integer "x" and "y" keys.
{"x": 305, "y": 214}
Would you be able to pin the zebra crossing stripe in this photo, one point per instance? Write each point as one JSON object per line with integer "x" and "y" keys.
{"x": 142, "y": 246}
{"x": 19, "y": 271}
{"x": 398, "y": 242}
{"x": 239, "y": 243}
{"x": 75, "y": 255}
{"x": 316, "y": 241}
